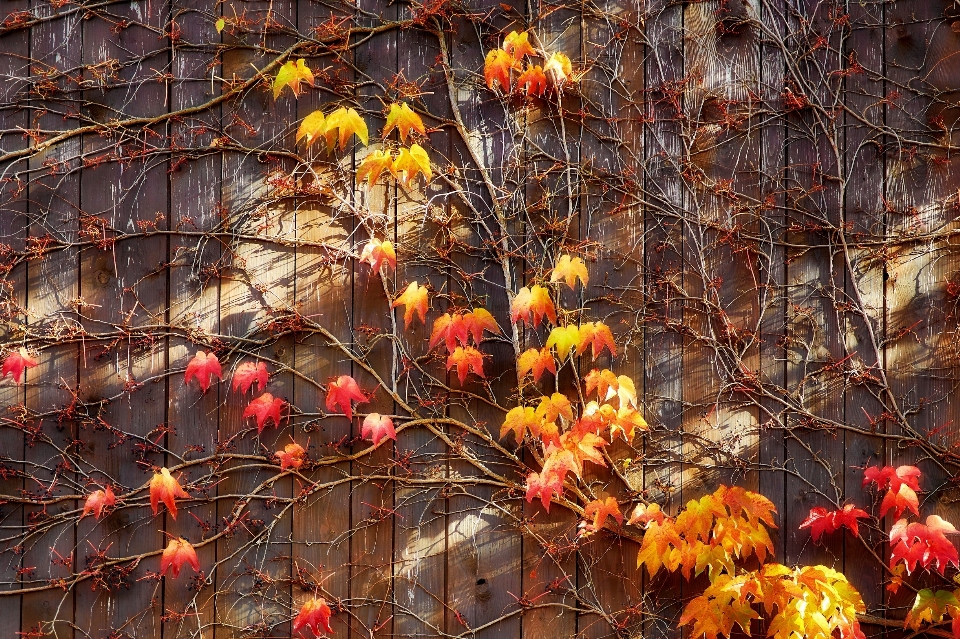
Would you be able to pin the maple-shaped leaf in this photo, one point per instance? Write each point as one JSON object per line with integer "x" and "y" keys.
{"x": 165, "y": 488}
{"x": 892, "y": 478}
{"x": 601, "y": 509}
{"x": 923, "y": 544}
{"x": 247, "y": 373}
{"x": 412, "y": 162}
{"x": 822, "y": 521}
{"x": 374, "y": 165}
{"x": 564, "y": 339}
{"x": 343, "y": 391}
{"x": 97, "y": 501}
{"x": 313, "y": 128}
{"x": 402, "y": 118}
{"x": 755, "y": 506}
{"x": 203, "y": 366}
{"x": 376, "y": 253}
{"x": 376, "y": 426}
{"x": 517, "y": 44}
{"x": 570, "y": 269}
{"x": 557, "y": 405}
{"x": 496, "y": 69}
{"x": 536, "y": 360}
{"x": 315, "y": 615}
{"x": 558, "y": 69}
{"x": 450, "y": 329}
{"x": 931, "y": 607}
{"x": 479, "y": 320}
{"x": 544, "y": 485}
{"x": 719, "y": 609}
{"x": 178, "y": 552}
{"x": 583, "y": 447}
{"x": 467, "y": 359}
{"x": 659, "y": 539}
{"x": 535, "y": 303}
{"x": 344, "y": 123}
{"x": 609, "y": 385}
{"x": 263, "y": 408}
{"x": 15, "y": 363}
{"x": 532, "y": 81}
{"x": 414, "y": 300}
{"x": 518, "y": 421}
{"x": 696, "y": 519}
{"x": 291, "y": 74}
{"x": 291, "y": 456}
{"x": 643, "y": 514}
{"x": 597, "y": 335}
{"x": 900, "y": 500}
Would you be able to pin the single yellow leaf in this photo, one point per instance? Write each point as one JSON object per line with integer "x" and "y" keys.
{"x": 413, "y": 161}
{"x": 291, "y": 74}
{"x": 221, "y": 23}
{"x": 403, "y": 118}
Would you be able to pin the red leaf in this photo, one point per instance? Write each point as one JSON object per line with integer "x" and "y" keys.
{"x": 544, "y": 485}
{"x": 97, "y": 501}
{"x": 263, "y": 408}
{"x": 15, "y": 363}
{"x": 900, "y": 500}
{"x": 925, "y": 545}
{"x": 376, "y": 426}
{"x": 178, "y": 552}
{"x": 341, "y": 392}
{"x": 891, "y": 477}
{"x": 247, "y": 373}
{"x": 466, "y": 359}
{"x": 291, "y": 456}
{"x": 479, "y": 320}
{"x": 451, "y": 329}
{"x": 315, "y": 614}
{"x": 165, "y": 488}
{"x": 203, "y": 366}
{"x": 823, "y": 521}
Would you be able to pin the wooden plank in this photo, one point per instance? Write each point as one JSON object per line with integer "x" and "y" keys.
{"x": 194, "y": 417}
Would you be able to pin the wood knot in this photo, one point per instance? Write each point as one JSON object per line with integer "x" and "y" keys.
{"x": 483, "y": 590}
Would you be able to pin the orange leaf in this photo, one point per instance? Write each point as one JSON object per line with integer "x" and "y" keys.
{"x": 412, "y": 162}
{"x": 466, "y": 359}
{"x": 583, "y": 446}
{"x": 15, "y": 363}
{"x": 178, "y": 552}
{"x": 557, "y": 405}
{"x": 601, "y": 509}
{"x": 656, "y": 545}
{"x": 376, "y": 253}
{"x": 518, "y": 45}
{"x": 597, "y": 335}
{"x": 315, "y": 614}
{"x": 644, "y": 514}
{"x": 558, "y": 69}
{"x": 900, "y": 500}
{"x": 374, "y": 165}
{"x": 165, "y": 488}
{"x": 291, "y": 456}
{"x": 376, "y": 426}
{"x": 345, "y": 122}
{"x": 496, "y": 69}
{"x": 479, "y": 320}
{"x": 343, "y": 391}
{"x": 291, "y": 74}
{"x": 544, "y": 485}
{"x": 532, "y": 81}
{"x": 449, "y": 328}
{"x": 534, "y": 301}
{"x": 537, "y": 361}
{"x": 518, "y": 421}
{"x": 247, "y": 373}
{"x": 263, "y": 408}
{"x": 203, "y": 366}
{"x": 414, "y": 300}
{"x": 403, "y": 118}
{"x": 97, "y": 501}
{"x": 570, "y": 270}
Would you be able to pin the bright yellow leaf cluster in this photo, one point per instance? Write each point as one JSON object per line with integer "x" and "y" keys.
{"x": 409, "y": 164}
{"x": 340, "y": 124}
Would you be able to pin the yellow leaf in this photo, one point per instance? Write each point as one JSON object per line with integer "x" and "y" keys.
{"x": 291, "y": 74}
{"x": 373, "y": 165}
{"x": 403, "y": 118}
{"x": 346, "y": 122}
{"x": 564, "y": 339}
{"x": 570, "y": 270}
{"x": 413, "y": 161}
{"x": 312, "y": 128}
{"x": 221, "y": 23}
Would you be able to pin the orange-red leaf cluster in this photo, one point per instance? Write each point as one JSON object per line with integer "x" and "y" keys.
{"x": 341, "y": 392}
{"x": 178, "y": 552}
{"x": 822, "y": 521}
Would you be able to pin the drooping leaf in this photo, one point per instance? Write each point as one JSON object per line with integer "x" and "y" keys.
{"x": 659, "y": 540}
{"x": 601, "y": 509}
{"x": 344, "y": 123}
{"x": 220, "y": 25}
{"x": 597, "y": 335}
{"x": 412, "y": 162}
{"x": 564, "y": 339}
{"x": 343, "y": 391}
{"x": 15, "y": 363}
{"x": 374, "y": 165}
{"x": 263, "y": 408}
{"x": 414, "y": 300}
{"x": 558, "y": 70}
{"x": 535, "y": 303}
{"x": 517, "y": 44}
{"x": 165, "y": 488}
{"x": 900, "y": 500}
{"x": 178, "y": 552}
{"x": 931, "y": 607}
{"x": 496, "y": 69}
{"x": 467, "y": 359}
{"x": 479, "y": 320}
{"x": 532, "y": 81}
{"x": 822, "y": 521}
{"x": 376, "y": 253}
{"x": 291, "y": 74}
{"x": 313, "y": 128}
{"x": 247, "y": 373}
{"x": 315, "y": 615}
{"x": 536, "y": 360}
{"x": 97, "y": 501}
{"x": 570, "y": 269}
{"x": 403, "y": 118}
{"x": 376, "y": 426}
{"x": 203, "y": 366}
{"x": 518, "y": 421}
{"x": 449, "y": 329}
{"x": 292, "y": 456}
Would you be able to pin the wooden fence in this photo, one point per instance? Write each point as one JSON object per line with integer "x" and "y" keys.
{"x": 765, "y": 193}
